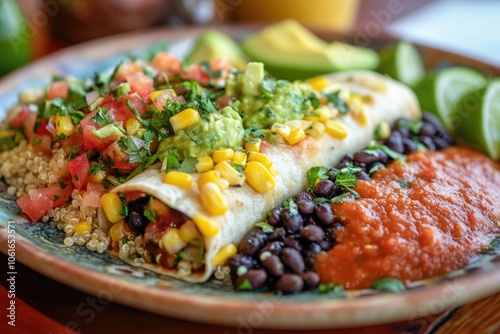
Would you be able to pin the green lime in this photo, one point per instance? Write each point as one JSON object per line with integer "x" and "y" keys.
{"x": 402, "y": 62}
{"x": 476, "y": 119}
{"x": 440, "y": 91}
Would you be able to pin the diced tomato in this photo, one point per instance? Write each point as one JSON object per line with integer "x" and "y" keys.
{"x": 74, "y": 143}
{"x": 37, "y": 202}
{"x": 42, "y": 128}
{"x": 58, "y": 89}
{"x": 119, "y": 158}
{"x": 21, "y": 116}
{"x": 118, "y": 110}
{"x": 167, "y": 63}
{"x": 127, "y": 67}
{"x": 140, "y": 83}
{"x": 29, "y": 125}
{"x": 41, "y": 144}
{"x": 89, "y": 140}
{"x": 263, "y": 146}
{"x": 93, "y": 194}
{"x": 78, "y": 169}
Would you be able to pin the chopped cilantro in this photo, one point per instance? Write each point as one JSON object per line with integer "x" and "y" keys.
{"x": 313, "y": 98}
{"x": 331, "y": 288}
{"x": 245, "y": 286}
{"x": 319, "y": 200}
{"x": 337, "y": 101}
{"x": 238, "y": 167}
{"x": 178, "y": 257}
{"x": 55, "y": 197}
{"x": 268, "y": 85}
{"x": 75, "y": 177}
{"x": 345, "y": 179}
{"x": 389, "y": 284}
{"x": 316, "y": 173}
{"x": 188, "y": 165}
{"x": 62, "y": 185}
{"x": 292, "y": 206}
{"x": 265, "y": 227}
{"x": 148, "y": 212}
{"x": 77, "y": 116}
{"x": 205, "y": 67}
{"x": 391, "y": 153}
{"x": 340, "y": 198}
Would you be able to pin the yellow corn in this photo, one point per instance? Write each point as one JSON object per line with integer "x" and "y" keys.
{"x": 98, "y": 176}
{"x": 214, "y": 177}
{"x": 157, "y": 93}
{"x": 204, "y": 163}
{"x": 357, "y": 109}
{"x": 382, "y": 131}
{"x": 179, "y": 179}
{"x": 132, "y": 125}
{"x": 316, "y": 130}
{"x": 221, "y": 155}
{"x": 318, "y": 83}
{"x": 295, "y": 136}
{"x": 227, "y": 172}
{"x": 240, "y": 158}
{"x": 335, "y": 129}
{"x": 262, "y": 158}
{"x": 313, "y": 117}
{"x": 212, "y": 200}
{"x": 184, "y": 119}
{"x": 116, "y": 231}
{"x": 325, "y": 113}
{"x": 259, "y": 177}
{"x": 81, "y": 227}
{"x": 171, "y": 241}
{"x": 112, "y": 205}
{"x": 207, "y": 227}
{"x": 64, "y": 125}
{"x": 255, "y": 147}
{"x": 189, "y": 233}
{"x": 280, "y": 128}
{"x": 224, "y": 254}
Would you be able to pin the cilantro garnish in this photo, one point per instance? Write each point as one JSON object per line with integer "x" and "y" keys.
{"x": 389, "y": 284}
{"x": 265, "y": 227}
{"x": 331, "y": 288}
{"x": 268, "y": 86}
{"x": 148, "y": 212}
{"x": 245, "y": 286}
{"x": 178, "y": 257}
{"x": 237, "y": 167}
{"x": 255, "y": 133}
{"x": 340, "y": 198}
{"x": 316, "y": 173}
{"x": 292, "y": 206}
{"x": 374, "y": 145}
{"x": 337, "y": 101}
{"x": 205, "y": 67}
{"x": 314, "y": 99}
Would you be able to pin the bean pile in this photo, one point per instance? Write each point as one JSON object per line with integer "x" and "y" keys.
{"x": 280, "y": 255}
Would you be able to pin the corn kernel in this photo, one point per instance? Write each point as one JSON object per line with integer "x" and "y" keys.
{"x": 357, "y": 109}
{"x": 97, "y": 176}
{"x": 184, "y": 119}
{"x": 204, "y": 163}
{"x": 382, "y": 131}
{"x": 116, "y": 232}
{"x": 224, "y": 254}
{"x": 336, "y": 129}
{"x": 82, "y": 227}
{"x": 280, "y": 128}
{"x": 212, "y": 176}
{"x": 316, "y": 130}
{"x": 295, "y": 136}
{"x": 262, "y": 158}
{"x": 227, "y": 172}
{"x": 221, "y": 155}
{"x": 159, "y": 208}
{"x": 207, "y": 227}
{"x": 312, "y": 117}
{"x": 212, "y": 200}
{"x": 179, "y": 179}
{"x": 156, "y": 93}
{"x": 259, "y": 177}
{"x": 255, "y": 147}
{"x": 171, "y": 241}
{"x": 64, "y": 125}
{"x": 112, "y": 206}
{"x": 318, "y": 83}
{"x": 189, "y": 233}
{"x": 240, "y": 158}
{"x": 325, "y": 113}
{"x": 132, "y": 125}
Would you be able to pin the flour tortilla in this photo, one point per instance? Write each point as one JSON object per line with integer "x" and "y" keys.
{"x": 391, "y": 100}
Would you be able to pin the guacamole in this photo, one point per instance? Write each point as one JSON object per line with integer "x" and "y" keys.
{"x": 265, "y": 101}
{"x": 214, "y": 131}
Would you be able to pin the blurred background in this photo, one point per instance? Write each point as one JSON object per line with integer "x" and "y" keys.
{"x": 32, "y": 28}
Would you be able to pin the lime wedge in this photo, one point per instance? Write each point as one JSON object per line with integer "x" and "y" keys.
{"x": 402, "y": 62}
{"x": 440, "y": 91}
{"x": 476, "y": 119}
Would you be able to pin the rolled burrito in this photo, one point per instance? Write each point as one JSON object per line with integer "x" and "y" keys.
{"x": 189, "y": 241}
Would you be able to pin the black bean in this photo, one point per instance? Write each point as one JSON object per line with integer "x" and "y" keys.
{"x": 256, "y": 278}
{"x": 310, "y": 221}
{"x": 312, "y": 233}
{"x": 410, "y": 145}
{"x": 274, "y": 216}
{"x": 395, "y": 142}
{"x": 324, "y": 188}
{"x": 427, "y": 141}
{"x": 252, "y": 242}
{"x": 361, "y": 175}
{"x": 292, "y": 259}
{"x": 240, "y": 260}
{"x": 289, "y": 284}
{"x": 325, "y": 214}
{"x": 332, "y": 174}
{"x": 273, "y": 265}
{"x": 293, "y": 243}
{"x": 274, "y": 247}
{"x": 428, "y": 130}
{"x": 137, "y": 221}
{"x": 404, "y": 131}
{"x": 291, "y": 222}
{"x": 305, "y": 196}
{"x": 310, "y": 254}
{"x": 311, "y": 279}
{"x": 325, "y": 245}
{"x": 278, "y": 234}
{"x": 366, "y": 158}
{"x": 305, "y": 207}
{"x": 440, "y": 143}
{"x": 428, "y": 117}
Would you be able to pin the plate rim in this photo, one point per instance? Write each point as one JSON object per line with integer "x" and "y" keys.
{"x": 284, "y": 314}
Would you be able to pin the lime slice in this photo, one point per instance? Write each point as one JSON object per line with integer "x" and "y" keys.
{"x": 440, "y": 91}
{"x": 476, "y": 119}
{"x": 402, "y": 62}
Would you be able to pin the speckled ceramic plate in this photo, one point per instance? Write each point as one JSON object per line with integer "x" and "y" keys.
{"x": 40, "y": 246}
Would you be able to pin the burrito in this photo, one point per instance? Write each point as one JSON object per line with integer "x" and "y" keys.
{"x": 185, "y": 223}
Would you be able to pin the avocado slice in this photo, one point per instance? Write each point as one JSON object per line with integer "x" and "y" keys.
{"x": 291, "y": 51}
{"x": 212, "y": 45}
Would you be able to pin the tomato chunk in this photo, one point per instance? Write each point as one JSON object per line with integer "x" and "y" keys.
{"x": 37, "y": 202}
{"x": 78, "y": 169}
{"x": 58, "y": 89}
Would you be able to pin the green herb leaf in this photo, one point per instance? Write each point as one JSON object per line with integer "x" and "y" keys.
{"x": 331, "y": 288}
{"x": 391, "y": 153}
{"x": 238, "y": 167}
{"x": 389, "y": 284}
{"x": 346, "y": 180}
{"x": 148, "y": 212}
{"x": 265, "y": 227}
{"x": 319, "y": 200}
{"x": 290, "y": 204}
{"x": 178, "y": 257}
{"x": 188, "y": 165}
{"x": 268, "y": 85}
{"x": 340, "y": 198}
{"x": 337, "y": 101}
{"x": 316, "y": 173}
{"x": 245, "y": 286}
{"x": 313, "y": 98}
